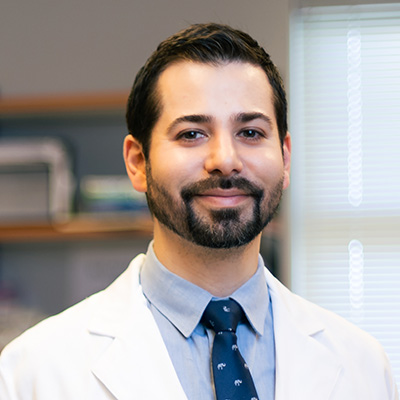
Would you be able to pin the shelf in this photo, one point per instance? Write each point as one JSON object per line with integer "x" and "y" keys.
{"x": 84, "y": 227}
{"x": 19, "y": 107}
{"x": 81, "y": 226}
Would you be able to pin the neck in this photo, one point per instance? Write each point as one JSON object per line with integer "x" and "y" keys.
{"x": 219, "y": 271}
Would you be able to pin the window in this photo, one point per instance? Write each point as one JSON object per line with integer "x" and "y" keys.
{"x": 345, "y": 195}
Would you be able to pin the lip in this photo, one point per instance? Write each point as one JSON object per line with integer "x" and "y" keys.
{"x": 223, "y": 197}
{"x": 223, "y": 192}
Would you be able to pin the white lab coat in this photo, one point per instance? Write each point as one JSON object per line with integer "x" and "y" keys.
{"x": 109, "y": 347}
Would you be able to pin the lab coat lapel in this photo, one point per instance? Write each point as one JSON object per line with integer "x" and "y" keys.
{"x": 130, "y": 355}
{"x": 305, "y": 367}
{"x": 133, "y": 359}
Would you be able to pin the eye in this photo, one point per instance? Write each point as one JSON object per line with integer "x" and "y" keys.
{"x": 191, "y": 135}
{"x": 251, "y": 134}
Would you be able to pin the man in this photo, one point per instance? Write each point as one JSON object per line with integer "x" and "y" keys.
{"x": 209, "y": 145}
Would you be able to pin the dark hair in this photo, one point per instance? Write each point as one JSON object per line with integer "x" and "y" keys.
{"x": 205, "y": 43}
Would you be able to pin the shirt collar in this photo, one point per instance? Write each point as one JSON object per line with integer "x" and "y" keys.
{"x": 254, "y": 298}
{"x": 183, "y": 303}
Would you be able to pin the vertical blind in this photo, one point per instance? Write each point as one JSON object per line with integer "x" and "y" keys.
{"x": 345, "y": 195}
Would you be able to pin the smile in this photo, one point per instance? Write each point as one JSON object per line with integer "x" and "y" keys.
{"x": 223, "y": 198}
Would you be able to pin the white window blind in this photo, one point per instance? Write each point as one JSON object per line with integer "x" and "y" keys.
{"x": 345, "y": 195}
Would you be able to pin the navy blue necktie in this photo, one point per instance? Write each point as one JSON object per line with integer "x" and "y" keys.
{"x": 232, "y": 379}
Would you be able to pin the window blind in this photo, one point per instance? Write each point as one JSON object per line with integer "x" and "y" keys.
{"x": 345, "y": 195}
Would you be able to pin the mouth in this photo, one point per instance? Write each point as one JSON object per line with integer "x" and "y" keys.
{"x": 223, "y": 198}
{"x": 222, "y": 192}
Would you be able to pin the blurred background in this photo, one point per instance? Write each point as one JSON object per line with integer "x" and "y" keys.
{"x": 69, "y": 220}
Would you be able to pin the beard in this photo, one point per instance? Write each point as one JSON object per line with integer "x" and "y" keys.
{"x": 218, "y": 229}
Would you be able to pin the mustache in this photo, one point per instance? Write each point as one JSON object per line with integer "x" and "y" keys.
{"x": 215, "y": 182}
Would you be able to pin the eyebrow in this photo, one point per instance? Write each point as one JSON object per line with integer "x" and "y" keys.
{"x": 243, "y": 117}
{"x": 195, "y": 118}
{"x": 251, "y": 116}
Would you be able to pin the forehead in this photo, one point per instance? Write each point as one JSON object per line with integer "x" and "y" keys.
{"x": 187, "y": 87}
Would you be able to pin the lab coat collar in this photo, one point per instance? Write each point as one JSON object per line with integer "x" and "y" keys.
{"x": 305, "y": 367}
{"x": 134, "y": 361}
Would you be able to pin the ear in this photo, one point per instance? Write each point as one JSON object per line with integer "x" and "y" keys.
{"x": 287, "y": 151}
{"x": 135, "y": 163}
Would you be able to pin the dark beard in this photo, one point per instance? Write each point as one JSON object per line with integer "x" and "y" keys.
{"x": 225, "y": 228}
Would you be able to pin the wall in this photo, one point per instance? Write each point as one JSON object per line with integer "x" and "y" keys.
{"x": 56, "y": 46}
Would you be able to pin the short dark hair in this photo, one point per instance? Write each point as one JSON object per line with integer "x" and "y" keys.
{"x": 205, "y": 43}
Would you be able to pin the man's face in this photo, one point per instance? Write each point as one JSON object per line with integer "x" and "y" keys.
{"x": 215, "y": 171}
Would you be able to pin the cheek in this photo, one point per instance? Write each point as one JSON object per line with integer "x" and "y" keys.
{"x": 166, "y": 175}
{"x": 268, "y": 167}
{"x": 177, "y": 168}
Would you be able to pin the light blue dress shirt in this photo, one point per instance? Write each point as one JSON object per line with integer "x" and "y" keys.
{"x": 177, "y": 306}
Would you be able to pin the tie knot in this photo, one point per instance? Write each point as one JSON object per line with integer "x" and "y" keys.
{"x": 222, "y": 315}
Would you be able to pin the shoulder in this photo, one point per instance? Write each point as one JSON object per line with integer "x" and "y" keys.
{"x": 65, "y": 336}
{"x": 45, "y": 352}
{"x": 49, "y": 348}
{"x": 299, "y": 322}
{"x": 333, "y": 331}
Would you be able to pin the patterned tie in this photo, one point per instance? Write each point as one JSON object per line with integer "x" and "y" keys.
{"x": 232, "y": 379}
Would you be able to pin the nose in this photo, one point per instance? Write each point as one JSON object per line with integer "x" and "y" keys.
{"x": 223, "y": 157}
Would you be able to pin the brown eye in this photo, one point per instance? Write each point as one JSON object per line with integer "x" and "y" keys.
{"x": 191, "y": 135}
{"x": 251, "y": 134}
